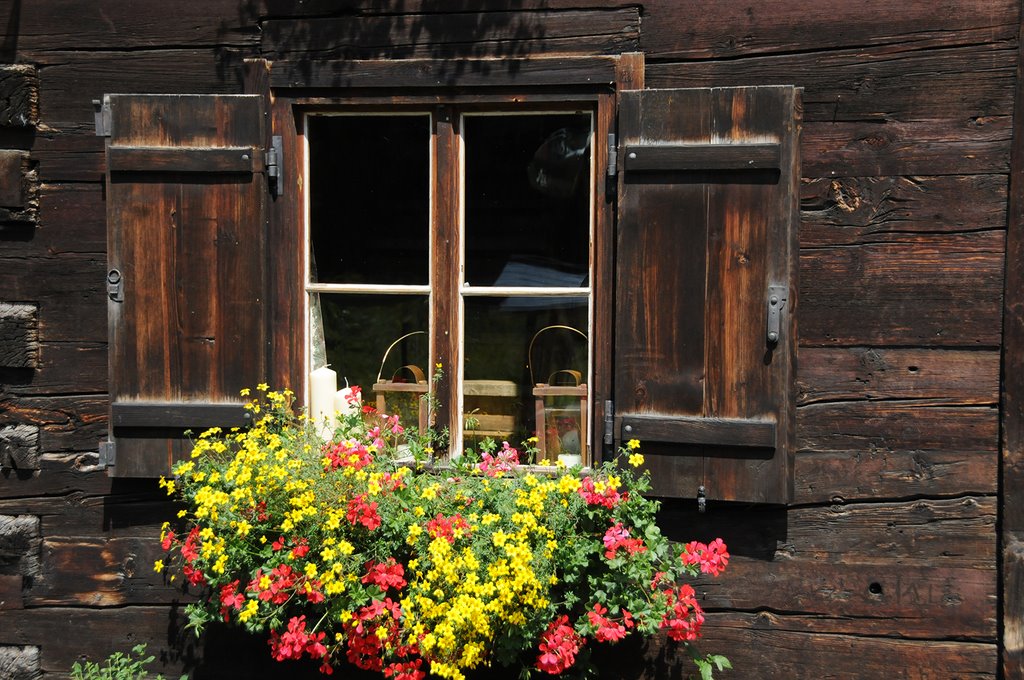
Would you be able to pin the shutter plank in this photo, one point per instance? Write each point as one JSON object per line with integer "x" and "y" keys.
{"x": 186, "y": 230}
{"x": 707, "y": 208}
{"x": 671, "y": 157}
{"x": 184, "y": 159}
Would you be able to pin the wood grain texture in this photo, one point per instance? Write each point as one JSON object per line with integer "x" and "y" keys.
{"x": 55, "y": 25}
{"x": 19, "y": 95}
{"x": 454, "y": 35}
{"x": 1012, "y": 412}
{"x": 428, "y": 73}
{"x": 856, "y": 210}
{"x": 946, "y": 376}
{"x": 684, "y": 30}
{"x": 904, "y": 294}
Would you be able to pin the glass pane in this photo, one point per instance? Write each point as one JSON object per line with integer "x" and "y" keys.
{"x": 514, "y": 347}
{"x": 360, "y": 329}
{"x": 527, "y": 200}
{"x": 370, "y": 199}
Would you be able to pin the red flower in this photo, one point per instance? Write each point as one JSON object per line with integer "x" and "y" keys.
{"x": 348, "y": 454}
{"x": 607, "y": 629}
{"x": 618, "y": 537}
{"x": 190, "y": 549}
{"x": 384, "y": 575}
{"x": 559, "y": 645}
{"x": 278, "y": 544}
{"x": 168, "y": 540}
{"x": 686, "y": 616}
{"x": 608, "y": 498}
{"x": 230, "y": 599}
{"x": 445, "y": 527}
{"x": 712, "y": 558}
{"x": 296, "y": 642}
{"x": 361, "y": 512}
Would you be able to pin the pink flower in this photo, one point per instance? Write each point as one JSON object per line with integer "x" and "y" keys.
{"x": 607, "y": 629}
{"x": 618, "y": 537}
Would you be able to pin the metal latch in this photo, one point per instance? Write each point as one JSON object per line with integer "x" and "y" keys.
{"x": 778, "y": 296}
{"x": 115, "y": 285}
{"x": 702, "y": 500}
{"x": 274, "y": 155}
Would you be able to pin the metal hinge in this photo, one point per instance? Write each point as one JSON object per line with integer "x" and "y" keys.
{"x": 101, "y": 113}
{"x": 609, "y": 422}
{"x": 108, "y": 453}
{"x": 274, "y": 155}
{"x": 613, "y": 155}
{"x": 778, "y": 296}
{"x": 611, "y": 185}
{"x": 702, "y": 500}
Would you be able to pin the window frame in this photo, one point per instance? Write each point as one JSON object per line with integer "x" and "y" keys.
{"x": 288, "y": 223}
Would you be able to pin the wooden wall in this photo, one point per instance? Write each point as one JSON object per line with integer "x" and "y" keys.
{"x": 887, "y": 563}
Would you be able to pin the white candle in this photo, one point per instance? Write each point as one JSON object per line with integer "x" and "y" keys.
{"x": 344, "y": 404}
{"x": 569, "y": 459}
{"x": 323, "y": 383}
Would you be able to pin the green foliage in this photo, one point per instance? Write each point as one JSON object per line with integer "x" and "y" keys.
{"x": 349, "y": 549}
{"x": 118, "y": 666}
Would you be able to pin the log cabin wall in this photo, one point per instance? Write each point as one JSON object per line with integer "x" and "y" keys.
{"x": 886, "y": 564}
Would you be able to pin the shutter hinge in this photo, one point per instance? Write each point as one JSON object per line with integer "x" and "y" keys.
{"x": 612, "y": 170}
{"x": 101, "y": 114}
{"x": 609, "y": 422}
{"x": 115, "y": 285}
{"x": 702, "y": 501}
{"x": 274, "y": 156}
{"x": 108, "y": 453}
{"x": 778, "y": 296}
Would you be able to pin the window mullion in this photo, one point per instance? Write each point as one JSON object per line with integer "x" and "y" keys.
{"x": 445, "y": 276}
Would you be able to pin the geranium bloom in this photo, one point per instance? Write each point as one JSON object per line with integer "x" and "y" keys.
{"x": 559, "y": 645}
{"x": 448, "y": 528}
{"x": 230, "y": 599}
{"x": 384, "y": 575}
{"x": 607, "y": 629}
{"x": 361, "y": 512}
{"x": 599, "y": 493}
{"x": 506, "y": 460}
{"x": 618, "y": 537}
{"x": 686, "y": 617}
{"x": 296, "y": 641}
{"x": 712, "y": 557}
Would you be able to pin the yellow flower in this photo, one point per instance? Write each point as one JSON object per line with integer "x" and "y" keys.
{"x": 636, "y": 459}
{"x": 158, "y": 566}
{"x": 633, "y": 444}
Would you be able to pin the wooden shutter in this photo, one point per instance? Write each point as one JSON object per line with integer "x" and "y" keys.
{"x": 185, "y": 227}
{"x": 707, "y": 234}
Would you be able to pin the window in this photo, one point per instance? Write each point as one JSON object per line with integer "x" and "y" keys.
{"x": 462, "y": 222}
{"x": 516, "y": 242}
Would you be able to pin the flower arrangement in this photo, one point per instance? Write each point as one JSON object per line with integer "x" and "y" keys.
{"x": 350, "y": 550}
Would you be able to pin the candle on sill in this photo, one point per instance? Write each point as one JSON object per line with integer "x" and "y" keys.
{"x": 323, "y": 383}
{"x": 569, "y": 459}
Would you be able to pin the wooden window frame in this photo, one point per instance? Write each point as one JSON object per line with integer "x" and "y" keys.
{"x": 287, "y": 228}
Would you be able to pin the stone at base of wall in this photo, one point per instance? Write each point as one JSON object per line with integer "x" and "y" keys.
{"x": 19, "y": 663}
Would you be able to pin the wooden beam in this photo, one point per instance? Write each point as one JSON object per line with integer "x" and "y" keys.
{"x": 1012, "y": 403}
{"x": 183, "y": 159}
{"x": 698, "y": 430}
{"x": 178, "y": 414}
{"x": 699, "y": 157}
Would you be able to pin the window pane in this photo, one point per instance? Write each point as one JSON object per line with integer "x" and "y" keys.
{"x": 370, "y": 199}
{"x": 358, "y": 331}
{"x": 527, "y": 184}
{"x": 513, "y": 345}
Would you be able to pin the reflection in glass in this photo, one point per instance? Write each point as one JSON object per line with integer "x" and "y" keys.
{"x": 527, "y": 200}
{"x": 512, "y": 346}
{"x": 370, "y": 199}
{"x": 359, "y": 330}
